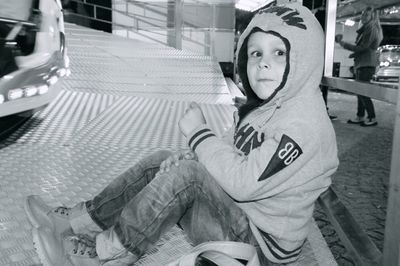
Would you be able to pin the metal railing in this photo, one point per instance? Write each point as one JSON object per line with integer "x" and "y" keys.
{"x": 171, "y": 23}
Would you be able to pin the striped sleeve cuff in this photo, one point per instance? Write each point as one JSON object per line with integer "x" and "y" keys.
{"x": 277, "y": 252}
{"x": 199, "y": 136}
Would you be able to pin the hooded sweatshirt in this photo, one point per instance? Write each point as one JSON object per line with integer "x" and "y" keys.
{"x": 280, "y": 153}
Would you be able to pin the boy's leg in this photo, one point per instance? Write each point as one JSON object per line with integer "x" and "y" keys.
{"x": 187, "y": 195}
{"x": 102, "y": 208}
{"x": 106, "y": 207}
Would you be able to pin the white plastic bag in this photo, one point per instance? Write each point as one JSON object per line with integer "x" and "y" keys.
{"x": 222, "y": 253}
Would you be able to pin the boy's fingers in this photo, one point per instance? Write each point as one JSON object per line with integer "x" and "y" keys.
{"x": 176, "y": 157}
{"x": 162, "y": 165}
{"x": 189, "y": 156}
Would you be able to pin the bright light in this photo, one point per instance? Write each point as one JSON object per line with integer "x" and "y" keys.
{"x": 1, "y": 98}
{"x": 243, "y": 7}
{"x": 53, "y": 80}
{"x": 15, "y": 94}
{"x": 62, "y": 72}
{"x": 8, "y": 76}
{"x": 30, "y": 91}
{"x": 43, "y": 89}
{"x": 349, "y": 22}
{"x": 251, "y": 5}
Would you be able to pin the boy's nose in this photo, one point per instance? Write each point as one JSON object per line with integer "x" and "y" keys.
{"x": 264, "y": 63}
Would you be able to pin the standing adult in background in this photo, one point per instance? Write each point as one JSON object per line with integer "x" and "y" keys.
{"x": 369, "y": 36}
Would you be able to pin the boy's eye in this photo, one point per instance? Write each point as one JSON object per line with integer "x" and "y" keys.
{"x": 280, "y": 52}
{"x": 255, "y": 54}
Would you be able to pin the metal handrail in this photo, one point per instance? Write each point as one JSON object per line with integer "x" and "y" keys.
{"x": 16, "y": 21}
{"x": 139, "y": 20}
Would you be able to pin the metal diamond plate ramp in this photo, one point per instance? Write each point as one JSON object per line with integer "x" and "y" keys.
{"x": 147, "y": 122}
{"x": 225, "y": 99}
{"x": 66, "y": 114}
{"x": 61, "y": 175}
{"x": 150, "y": 87}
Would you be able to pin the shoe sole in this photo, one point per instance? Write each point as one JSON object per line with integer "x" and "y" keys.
{"x": 369, "y": 125}
{"x": 40, "y": 250}
{"x": 354, "y": 123}
{"x": 29, "y": 213}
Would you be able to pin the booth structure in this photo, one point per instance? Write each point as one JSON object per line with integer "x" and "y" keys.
{"x": 383, "y": 92}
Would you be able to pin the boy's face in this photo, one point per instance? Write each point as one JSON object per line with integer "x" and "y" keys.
{"x": 266, "y": 63}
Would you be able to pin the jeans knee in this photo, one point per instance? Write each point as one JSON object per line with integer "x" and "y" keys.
{"x": 190, "y": 171}
{"x": 162, "y": 155}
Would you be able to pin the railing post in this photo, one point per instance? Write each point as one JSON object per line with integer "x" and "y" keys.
{"x": 330, "y": 36}
{"x": 391, "y": 249}
{"x": 174, "y": 21}
{"x": 207, "y": 42}
{"x": 178, "y": 23}
{"x": 213, "y": 26}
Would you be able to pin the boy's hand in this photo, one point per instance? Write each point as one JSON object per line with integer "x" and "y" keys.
{"x": 192, "y": 118}
{"x": 175, "y": 158}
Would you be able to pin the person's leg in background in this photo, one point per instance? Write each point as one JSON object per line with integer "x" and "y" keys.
{"x": 369, "y": 106}
{"x": 360, "y": 107}
{"x": 365, "y": 74}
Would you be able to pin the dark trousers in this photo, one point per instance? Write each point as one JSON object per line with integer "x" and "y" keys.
{"x": 364, "y": 103}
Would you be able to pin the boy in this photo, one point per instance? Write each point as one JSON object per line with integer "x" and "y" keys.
{"x": 256, "y": 185}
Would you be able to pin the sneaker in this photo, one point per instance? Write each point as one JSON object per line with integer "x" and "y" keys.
{"x": 370, "y": 122}
{"x": 41, "y": 215}
{"x": 70, "y": 250}
{"x": 358, "y": 120}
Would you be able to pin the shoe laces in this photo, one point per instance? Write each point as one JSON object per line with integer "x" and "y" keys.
{"x": 62, "y": 211}
{"x": 83, "y": 246}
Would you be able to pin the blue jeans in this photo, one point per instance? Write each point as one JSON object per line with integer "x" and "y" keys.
{"x": 142, "y": 206}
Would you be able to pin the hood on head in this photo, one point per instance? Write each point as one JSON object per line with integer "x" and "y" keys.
{"x": 303, "y": 37}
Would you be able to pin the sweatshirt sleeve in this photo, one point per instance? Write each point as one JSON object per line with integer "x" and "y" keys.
{"x": 265, "y": 171}
{"x": 369, "y": 41}
{"x": 227, "y": 137}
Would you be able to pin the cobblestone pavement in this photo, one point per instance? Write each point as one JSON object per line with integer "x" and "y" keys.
{"x": 361, "y": 181}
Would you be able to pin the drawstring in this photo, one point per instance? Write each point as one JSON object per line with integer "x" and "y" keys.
{"x": 277, "y": 105}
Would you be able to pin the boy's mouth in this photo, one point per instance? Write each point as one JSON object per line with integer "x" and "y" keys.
{"x": 264, "y": 79}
